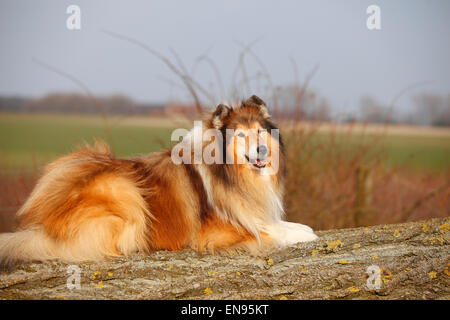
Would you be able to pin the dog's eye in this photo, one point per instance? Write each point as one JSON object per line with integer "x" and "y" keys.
{"x": 241, "y": 135}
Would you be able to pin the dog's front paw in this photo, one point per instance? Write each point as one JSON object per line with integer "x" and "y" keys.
{"x": 296, "y": 226}
{"x": 288, "y": 233}
{"x": 296, "y": 236}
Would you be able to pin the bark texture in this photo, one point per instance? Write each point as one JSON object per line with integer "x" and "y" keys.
{"x": 412, "y": 260}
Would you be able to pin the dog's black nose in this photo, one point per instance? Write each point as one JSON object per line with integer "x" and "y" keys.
{"x": 262, "y": 151}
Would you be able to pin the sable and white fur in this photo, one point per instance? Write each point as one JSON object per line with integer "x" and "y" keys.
{"x": 89, "y": 205}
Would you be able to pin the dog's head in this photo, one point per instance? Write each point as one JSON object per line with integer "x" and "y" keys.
{"x": 252, "y": 138}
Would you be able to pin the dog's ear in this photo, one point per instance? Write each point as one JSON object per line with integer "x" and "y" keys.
{"x": 255, "y": 101}
{"x": 219, "y": 114}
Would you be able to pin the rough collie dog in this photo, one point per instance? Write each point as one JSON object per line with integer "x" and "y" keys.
{"x": 89, "y": 205}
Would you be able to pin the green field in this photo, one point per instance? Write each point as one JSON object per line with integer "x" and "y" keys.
{"x": 30, "y": 140}
{"x": 27, "y": 140}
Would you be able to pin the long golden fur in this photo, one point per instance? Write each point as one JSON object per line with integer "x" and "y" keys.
{"x": 89, "y": 205}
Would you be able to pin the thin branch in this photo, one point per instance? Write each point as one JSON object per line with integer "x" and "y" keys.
{"x": 266, "y": 73}
{"x": 215, "y": 70}
{"x": 390, "y": 108}
{"x": 186, "y": 80}
{"x": 240, "y": 65}
{"x": 191, "y": 79}
{"x": 408, "y": 212}
{"x": 408, "y": 88}
{"x": 295, "y": 70}
{"x": 308, "y": 78}
{"x": 86, "y": 90}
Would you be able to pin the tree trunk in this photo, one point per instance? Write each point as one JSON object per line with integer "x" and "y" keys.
{"x": 409, "y": 261}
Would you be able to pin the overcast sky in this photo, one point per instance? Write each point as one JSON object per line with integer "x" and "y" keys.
{"x": 412, "y": 47}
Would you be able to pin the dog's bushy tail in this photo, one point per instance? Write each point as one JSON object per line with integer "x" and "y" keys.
{"x": 24, "y": 246}
{"x": 86, "y": 206}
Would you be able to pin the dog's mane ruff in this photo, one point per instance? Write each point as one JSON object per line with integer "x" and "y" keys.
{"x": 248, "y": 203}
{"x": 243, "y": 198}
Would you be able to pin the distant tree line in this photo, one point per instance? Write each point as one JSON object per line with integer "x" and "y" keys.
{"x": 78, "y": 103}
{"x": 426, "y": 109}
{"x": 296, "y": 103}
{"x": 288, "y": 103}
